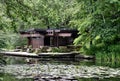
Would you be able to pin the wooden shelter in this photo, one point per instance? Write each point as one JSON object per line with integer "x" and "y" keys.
{"x": 49, "y": 37}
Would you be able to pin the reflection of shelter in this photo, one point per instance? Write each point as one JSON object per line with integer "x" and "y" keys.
{"x": 49, "y": 37}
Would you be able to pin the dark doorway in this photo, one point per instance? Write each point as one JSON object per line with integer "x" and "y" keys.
{"x": 47, "y": 41}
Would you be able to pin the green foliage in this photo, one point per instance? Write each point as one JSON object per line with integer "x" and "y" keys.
{"x": 56, "y": 49}
{"x": 98, "y": 25}
{"x": 60, "y": 49}
{"x": 8, "y": 39}
{"x": 20, "y": 42}
{"x": 96, "y": 20}
{"x": 2, "y": 61}
{"x": 25, "y": 14}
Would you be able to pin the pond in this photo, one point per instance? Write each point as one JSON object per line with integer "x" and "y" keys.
{"x": 19, "y": 69}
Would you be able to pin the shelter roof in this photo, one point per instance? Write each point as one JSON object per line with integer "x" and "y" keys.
{"x": 44, "y": 31}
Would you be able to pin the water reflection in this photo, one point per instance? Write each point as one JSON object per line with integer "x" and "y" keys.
{"x": 113, "y": 64}
{"x": 8, "y": 77}
{"x": 98, "y": 79}
{"x": 60, "y": 70}
{"x": 110, "y": 59}
{"x": 82, "y": 70}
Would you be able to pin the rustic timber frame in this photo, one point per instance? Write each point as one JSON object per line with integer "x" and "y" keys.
{"x": 49, "y": 37}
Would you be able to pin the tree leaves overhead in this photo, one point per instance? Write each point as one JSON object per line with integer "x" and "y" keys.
{"x": 26, "y": 14}
{"x": 93, "y": 18}
{"x": 18, "y": 15}
{"x": 98, "y": 19}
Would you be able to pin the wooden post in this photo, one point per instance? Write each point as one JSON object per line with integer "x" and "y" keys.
{"x": 51, "y": 39}
{"x": 57, "y": 37}
{"x": 29, "y": 41}
{"x": 57, "y": 40}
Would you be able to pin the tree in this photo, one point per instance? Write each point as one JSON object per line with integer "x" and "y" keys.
{"x": 96, "y": 20}
{"x": 98, "y": 26}
{"x": 24, "y": 14}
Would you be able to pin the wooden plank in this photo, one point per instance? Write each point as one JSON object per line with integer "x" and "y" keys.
{"x": 51, "y": 53}
{"x": 32, "y": 35}
{"x": 44, "y": 55}
{"x": 57, "y": 30}
{"x": 65, "y": 34}
{"x": 50, "y": 34}
{"x": 20, "y": 54}
{"x": 37, "y": 42}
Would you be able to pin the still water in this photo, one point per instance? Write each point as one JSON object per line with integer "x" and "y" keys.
{"x": 18, "y": 69}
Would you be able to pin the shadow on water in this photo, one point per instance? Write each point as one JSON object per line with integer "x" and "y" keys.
{"x": 97, "y": 62}
{"x": 24, "y": 60}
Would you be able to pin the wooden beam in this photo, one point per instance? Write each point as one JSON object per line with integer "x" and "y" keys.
{"x": 32, "y": 35}
{"x": 65, "y": 34}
